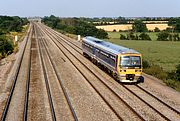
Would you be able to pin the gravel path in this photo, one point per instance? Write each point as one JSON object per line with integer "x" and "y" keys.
{"x": 38, "y": 107}
{"x": 62, "y": 110}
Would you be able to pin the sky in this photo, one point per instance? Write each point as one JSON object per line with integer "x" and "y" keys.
{"x": 91, "y": 8}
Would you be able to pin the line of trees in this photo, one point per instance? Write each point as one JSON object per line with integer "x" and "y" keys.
{"x": 74, "y": 26}
{"x": 123, "y": 20}
{"x": 162, "y": 36}
{"x": 15, "y": 23}
{"x": 139, "y": 27}
{"x": 132, "y": 36}
{"x": 166, "y": 36}
{"x": 175, "y": 23}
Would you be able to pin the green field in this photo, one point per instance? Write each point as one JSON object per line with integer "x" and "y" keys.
{"x": 163, "y": 53}
{"x": 116, "y": 35}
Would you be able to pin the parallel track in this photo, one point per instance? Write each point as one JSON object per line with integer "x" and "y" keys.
{"x": 158, "y": 99}
{"x": 46, "y": 81}
{"x": 58, "y": 77}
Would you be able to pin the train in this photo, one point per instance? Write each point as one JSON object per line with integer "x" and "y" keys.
{"x": 124, "y": 64}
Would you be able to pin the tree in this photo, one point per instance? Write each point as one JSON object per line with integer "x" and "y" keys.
{"x": 157, "y": 29}
{"x": 121, "y": 20}
{"x": 176, "y": 37}
{"x": 139, "y": 26}
{"x": 101, "y": 34}
{"x": 144, "y": 36}
{"x": 15, "y": 23}
{"x": 6, "y": 46}
{"x": 163, "y": 36}
{"x": 123, "y": 37}
{"x": 75, "y": 26}
{"x": 131, "y": 36}
{"x": 145, "y": 64}
{"x": 175, "y": 22}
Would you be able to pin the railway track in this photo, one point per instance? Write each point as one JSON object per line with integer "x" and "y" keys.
{"x": 14, "y": 82}
{"x": 95, "y": 88}
{"x": 41, "y": 45}
{"x": 46, "y": 81}
{"x": 77, "y": 48}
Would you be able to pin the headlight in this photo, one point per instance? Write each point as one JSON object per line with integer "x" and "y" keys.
{"x": 122, "y": 70}
{"x": 137, "y": 70}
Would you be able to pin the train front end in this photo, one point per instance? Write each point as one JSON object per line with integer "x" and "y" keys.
{"x": 130, "y": 67}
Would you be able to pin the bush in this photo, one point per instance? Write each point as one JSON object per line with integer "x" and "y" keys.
{"x": 123, "y": 37}
{"x": 139, "y": 26}
{"x": 156, "y": 71}
{"x": 163, "y": 36}
{"x": 166, "y": 36}
{"x": 131, "y": 36}
{"x": 172, "y": 79}
{"x": 176, "y": 37}
{"x": 145, "y": 64}
{"x": 173, "y": 84}
{"x": 101, "y": 34}
{"x": 144, "y": 36}
{"x": 6, "y": 46}
{"x": 157, "y": 29}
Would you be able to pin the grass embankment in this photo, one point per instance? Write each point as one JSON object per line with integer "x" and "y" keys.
{"x": 162, "y": 53}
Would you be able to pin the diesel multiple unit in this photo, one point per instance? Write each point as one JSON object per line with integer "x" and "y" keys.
{"x": 123, "y": 63}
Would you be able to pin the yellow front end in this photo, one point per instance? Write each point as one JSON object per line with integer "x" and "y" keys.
{"x": 129, "y": 73}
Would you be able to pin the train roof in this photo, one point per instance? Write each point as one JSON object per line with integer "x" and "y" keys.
{"x": 115, "y": 49}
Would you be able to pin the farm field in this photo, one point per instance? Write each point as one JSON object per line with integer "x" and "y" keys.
{"x": 123, "y": 27}
{"x": 163, "y": 53}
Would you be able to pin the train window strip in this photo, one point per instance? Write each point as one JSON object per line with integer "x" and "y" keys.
{"x": 111, "y": 65}
{"x": 106, "y": 54}
{"x": 106, "y": 59}
{"x": 88, "y": 49}
{"x": 106, "y": 64}
{"x": 109, "y": 58}
{"x": 100, "y": 49}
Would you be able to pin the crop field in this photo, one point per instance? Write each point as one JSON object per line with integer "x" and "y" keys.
{"x": 129, "y": 26}
{"x": 163, "y": 53}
